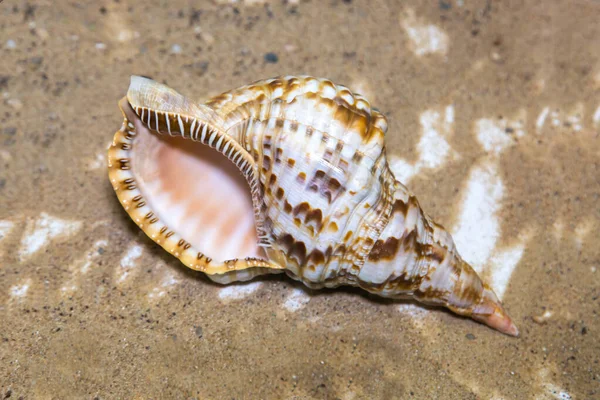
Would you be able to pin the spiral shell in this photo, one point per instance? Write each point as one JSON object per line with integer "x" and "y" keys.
{"x": 317, "y": 201}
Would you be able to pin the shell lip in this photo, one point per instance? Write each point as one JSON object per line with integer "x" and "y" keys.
{"x": 133, "y": 201}
{"x": 162, "y": 109}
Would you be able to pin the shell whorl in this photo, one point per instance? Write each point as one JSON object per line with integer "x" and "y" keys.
{"x": 319, "y": 151}
{"x": 328, "y": 210}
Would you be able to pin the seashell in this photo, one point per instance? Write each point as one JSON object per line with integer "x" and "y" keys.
{"x": 286, "y": 175}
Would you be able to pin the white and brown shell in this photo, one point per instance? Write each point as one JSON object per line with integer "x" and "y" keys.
{"x": 315, "y": 198}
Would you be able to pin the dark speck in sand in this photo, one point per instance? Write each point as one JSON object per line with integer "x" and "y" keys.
{"x": 10, "y": 131}
{"x": 200, "y": 67}
{"x": 198, "y": 331}
{"x": 271, "y": 58}
{"x": 470, "y": 336}
{"x": 36, "y": 60}
{"x": 194, "y": 16}
{"x": 29, "y": 12}
{"x": 444, "y": 5}
{"x": 4, "y": 81}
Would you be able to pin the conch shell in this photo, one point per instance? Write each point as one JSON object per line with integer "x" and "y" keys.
{"x": 286, "y": 175}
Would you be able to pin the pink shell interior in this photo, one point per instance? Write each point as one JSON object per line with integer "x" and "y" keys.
{"x": 196, "y": 191}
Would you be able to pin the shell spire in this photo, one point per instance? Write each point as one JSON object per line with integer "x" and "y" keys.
{"x": 416, "y": 258}
{"x": 473, "y": 298}
{"x": 286, "y": 175}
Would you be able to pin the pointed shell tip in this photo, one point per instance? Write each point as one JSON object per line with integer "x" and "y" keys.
{"x": 500, "y": 321}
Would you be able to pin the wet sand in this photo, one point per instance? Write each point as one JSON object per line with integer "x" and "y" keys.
{"x": 494, "y": 113}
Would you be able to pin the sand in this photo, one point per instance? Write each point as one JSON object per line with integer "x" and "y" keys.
{"x": 494, "y": 111}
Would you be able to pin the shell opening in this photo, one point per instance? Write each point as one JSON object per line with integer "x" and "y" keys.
{"x": 196, "y": 191}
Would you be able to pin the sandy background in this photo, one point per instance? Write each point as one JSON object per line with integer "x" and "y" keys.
{"x": 494, "y": 112}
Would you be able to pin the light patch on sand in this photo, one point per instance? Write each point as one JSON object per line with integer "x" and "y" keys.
{"x": 596, "y": 117}
{"x": 551, "y": 389}
{"x": 39, "y": 232}
{"x": 296, "y": 300}
{"x": 20, "y": 291}
{"x": 478, "y": 228}
{"x": 120, "y": 34}
{"x": 69, "y": 288}
{"x": 95, "y": 251}
{"x": 167, "y": 282}
{"x": 433, "y": 147}
{"x": 98, "y": 162}
{"x": 418, "y": 314}
{"x": 503, "y": 262}
{"x": 495, "y": 135}
{"x": 125, "y": 35}
{"x": 540, "y": 319}
{"x": 5, "y": 228}
{"x": 558, "y": 228}
{"x": 424, "y": 38}
{"x": 411, "y": 309}
{"x": 5, "y": 156}
{"x": 581, "y": 232}
{"x": 128, "y": 263}
{"x": 572, "y": 119}
{"x": 85, "y": 267}
{"x": 82, "y": 266}
{"x": 402, "y": 170}
{"x": 238, "y": 291}
{"x": 118, "y": 28}
{"x": 557, "y": 392}
{"x": 349, "y": 395}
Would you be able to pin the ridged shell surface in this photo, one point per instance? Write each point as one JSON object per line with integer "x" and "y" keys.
{"x": 319, "y": 152}
{"x": 327, "y": 208}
